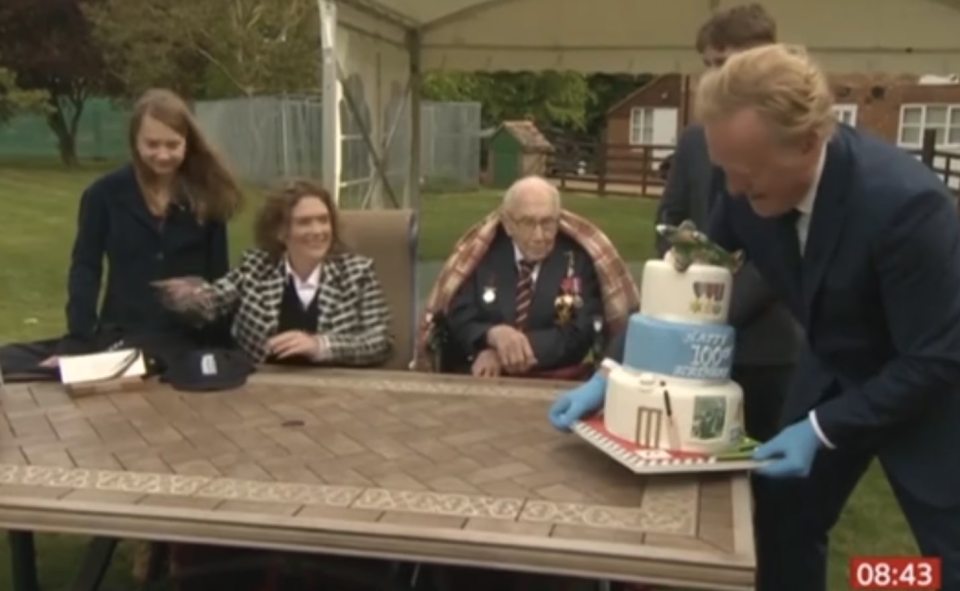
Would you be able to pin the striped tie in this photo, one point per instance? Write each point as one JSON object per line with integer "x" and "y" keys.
{"x": 524, "y": 293}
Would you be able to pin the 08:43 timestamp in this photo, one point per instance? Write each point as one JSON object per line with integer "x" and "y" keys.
{"x": 894, "y": 572}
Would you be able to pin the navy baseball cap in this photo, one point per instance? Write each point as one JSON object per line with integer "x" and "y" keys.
{"x": 207, "y": 370}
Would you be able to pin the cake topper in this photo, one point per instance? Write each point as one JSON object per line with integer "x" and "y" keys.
{"x": 690, "y": 245}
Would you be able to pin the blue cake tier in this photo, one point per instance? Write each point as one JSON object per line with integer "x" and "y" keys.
{"x": 691, "y": 351}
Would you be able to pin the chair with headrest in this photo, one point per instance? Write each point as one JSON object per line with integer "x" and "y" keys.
{"x": 389, "y": 237}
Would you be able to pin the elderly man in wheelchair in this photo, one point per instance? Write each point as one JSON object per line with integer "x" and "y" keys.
{"x": 532, "y": 290}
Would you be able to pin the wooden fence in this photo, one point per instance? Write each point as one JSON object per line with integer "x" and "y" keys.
{"x": 605, "y": 168}
{"x": 638, "y": 170}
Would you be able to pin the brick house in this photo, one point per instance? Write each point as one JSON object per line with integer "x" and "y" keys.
{"x": 897, "y": 108}
{"x": 651, "y": 114}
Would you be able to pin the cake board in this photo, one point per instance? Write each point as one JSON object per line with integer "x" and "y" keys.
{"x": 647, "y": 461}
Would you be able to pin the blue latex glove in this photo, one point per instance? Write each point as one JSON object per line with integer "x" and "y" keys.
{"x": 575, "y": 404}
{"x": 792, "y": 451}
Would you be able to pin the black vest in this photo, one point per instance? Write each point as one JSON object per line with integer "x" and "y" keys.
{"x": 293, "y": 316}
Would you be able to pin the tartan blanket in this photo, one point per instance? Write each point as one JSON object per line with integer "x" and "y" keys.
{"x": 618, "y": 290}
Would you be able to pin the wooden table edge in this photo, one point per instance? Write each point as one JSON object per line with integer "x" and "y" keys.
{"x": 610, "y": 560}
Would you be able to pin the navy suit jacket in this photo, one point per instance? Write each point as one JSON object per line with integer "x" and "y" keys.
{"x": 878, "y": 292}
{"x": 115, "y": 225}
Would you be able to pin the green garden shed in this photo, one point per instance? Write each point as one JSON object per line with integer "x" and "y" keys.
{"x": 517, "y": 149}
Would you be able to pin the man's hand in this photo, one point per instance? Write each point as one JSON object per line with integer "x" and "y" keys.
{"x": 292, "y": 343}
{"x": 486, "y": 365}
{"x": 512, "y": 347}
{"x": 575, "y": 404}
{"x": 793, "y": 451}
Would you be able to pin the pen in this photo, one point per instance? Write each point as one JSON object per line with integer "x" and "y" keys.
{"x": 671, "y": 425}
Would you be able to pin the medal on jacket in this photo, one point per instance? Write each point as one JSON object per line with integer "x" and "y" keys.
{"x": 489, "y": 292}
{"x": 569, "y": 298}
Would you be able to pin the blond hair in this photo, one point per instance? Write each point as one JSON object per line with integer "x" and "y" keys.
{"x": 781, "y": 83}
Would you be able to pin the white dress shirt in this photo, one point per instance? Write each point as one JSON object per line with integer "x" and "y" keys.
{"x": 805, "y": 207}
{"x": 518, "y": 256}
{"x": 308, "y": 288}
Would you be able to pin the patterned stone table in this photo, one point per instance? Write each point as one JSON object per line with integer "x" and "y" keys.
{"x": 387, "y": 464}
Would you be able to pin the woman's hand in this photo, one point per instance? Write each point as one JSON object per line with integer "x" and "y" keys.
{"x": 181, "y": 294}
{"x": 292, "y": 343}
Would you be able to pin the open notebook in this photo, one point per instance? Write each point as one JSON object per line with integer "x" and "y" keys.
{"x": 102, "y": 367}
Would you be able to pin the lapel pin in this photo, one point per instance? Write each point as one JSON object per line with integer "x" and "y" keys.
{"x": 489, "y": 295}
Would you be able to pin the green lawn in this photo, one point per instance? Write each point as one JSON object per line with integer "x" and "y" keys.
{"x": 38, "y": 203}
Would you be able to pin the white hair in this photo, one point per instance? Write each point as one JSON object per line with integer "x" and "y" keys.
{"x": 521, "y": 186}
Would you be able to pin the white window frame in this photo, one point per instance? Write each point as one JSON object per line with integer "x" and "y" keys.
{"x": 846, "y": 113}
{"x": 949, "y": 129}
{"x": 641, "y": 126}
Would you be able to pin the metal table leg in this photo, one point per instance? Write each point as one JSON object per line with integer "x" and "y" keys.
{"x": 23, "y": 561}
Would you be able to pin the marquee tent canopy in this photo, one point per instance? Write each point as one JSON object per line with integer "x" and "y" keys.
{"x": 657, "y": 35}
{"x": 376, "y": 50}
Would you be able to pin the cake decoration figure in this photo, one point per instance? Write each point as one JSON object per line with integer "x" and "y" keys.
{"x": 690, "y": 246}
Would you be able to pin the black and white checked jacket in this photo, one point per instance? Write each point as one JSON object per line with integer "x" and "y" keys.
{"x": 353, "y": 317}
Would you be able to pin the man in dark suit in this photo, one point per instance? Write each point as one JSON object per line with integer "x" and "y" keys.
{"x": 531, "y": 303}
{"x": 863, "y": 243}
{"x": 768, "y": 337}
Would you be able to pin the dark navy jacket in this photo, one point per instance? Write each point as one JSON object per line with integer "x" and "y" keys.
{"x": 878, "y": 292}
{"x": 554, "y": 346}
{"x": 114, "y": 225}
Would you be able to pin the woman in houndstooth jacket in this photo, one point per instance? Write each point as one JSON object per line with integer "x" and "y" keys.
{"x": 299, "y": 297}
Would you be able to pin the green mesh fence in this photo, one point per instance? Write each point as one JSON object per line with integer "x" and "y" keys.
{"x": 102, "y": 134}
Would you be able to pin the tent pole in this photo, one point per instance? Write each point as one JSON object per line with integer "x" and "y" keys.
{"x": 331, "y": 99}
{"x": 412, "y": 197}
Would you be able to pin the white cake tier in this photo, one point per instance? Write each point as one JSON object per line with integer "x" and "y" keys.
{"x": 668, "y": 413}
{"x": 699, "y": 295}
{"x": 682, "y": 350}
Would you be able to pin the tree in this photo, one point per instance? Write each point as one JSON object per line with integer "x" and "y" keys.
{"x": 47, "y": 44}
{"x": 15, "y": 100}
{"x": 564, "y": 102}
{"x": 551, "y": 98}
{"x": 210, "y": 48}
{"x": 143, "y": 49}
